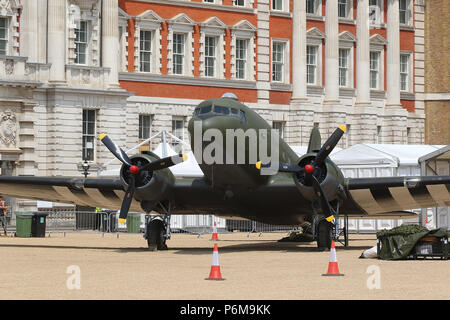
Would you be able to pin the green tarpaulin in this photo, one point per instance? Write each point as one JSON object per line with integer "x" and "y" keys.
{"x": 399, "y": 246}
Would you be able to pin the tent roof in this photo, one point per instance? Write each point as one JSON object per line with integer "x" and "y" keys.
{"x": 382, "y": 155}
{"x": 442, "y": 153}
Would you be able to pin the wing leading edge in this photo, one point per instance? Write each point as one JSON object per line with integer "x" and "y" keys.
{"x": 376, "y": 196}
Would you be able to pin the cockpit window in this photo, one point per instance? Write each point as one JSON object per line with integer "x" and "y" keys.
{"x": 205, "y": 110}
{"x": 222, "y": 110}
{"x": 234, "y": 112}
{"x": 242, "y": 116}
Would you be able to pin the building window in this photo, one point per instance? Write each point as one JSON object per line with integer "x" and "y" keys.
{"x": 178, "y": 131}
{"x": 374, "y": 69}
{"x": 311, "y": 64}
{"x": 374, "y": 11}
{"x": 344, "y": 67}
{"x": 277, "y": 4}
{"x": 145, "y": 126}
{"x": 241, "y": 58}
{"x": 210, "y": 1}
{"x": 178, "y": 53}
{"x": 343, "y": 8}
{"x": 145, "y": 50}
{"x": 3, "y": 36}
{"x": 279, "y": 125}
{"x": 240, "y": 3}
{"x": 210, "y": 56}
{"x": 81, "y": 43}
{"x": 89, "y": 134}
{"x": 277, "y": 61}
{"x": 404, "y": 11}
{"x": 404, "y": 66}
{"x": 310, "y": 6}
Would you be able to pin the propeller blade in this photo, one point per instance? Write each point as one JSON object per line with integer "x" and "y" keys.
{"x": 283, "y": 167}
{"x": 126, "y": 203}
{"x": 164, "y": 163}
{"x": 115, "y": 149}
{"x": 324, "y": 204}
{"x": 329, "y": 145}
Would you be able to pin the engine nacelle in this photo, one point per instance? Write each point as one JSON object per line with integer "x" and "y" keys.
{"x": 328, "y": 175}
{"x": 150, "y": 186}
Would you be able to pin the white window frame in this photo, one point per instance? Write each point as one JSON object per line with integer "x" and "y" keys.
{"x": 409, "y": 74}
{"x": 182, "y": 53}
{"x": 7, "y": 35}
{"x": 209, "y": 57}
{"x": 145, "y": 51}
{"x": 408, "y": 13}
{"x": 315, "y": 38}
{"x": 379, "y": 13}
{"x": 142, "y": 135}
{"x": 315, "y": 65}
{"x": 377, "y": 44}
{"x": 244, "y": 30}
{"x": 348, "y": 9}
{"x": 87, "y": 43}
{"x": 317, "y": 8}
{"x": 181, "y": 24}
{"x": 239, "y": 5}
{"x": 375, "y": 70}
{"x": 284, "y": 60}
{"x": 214, "y": 28}
{"x": 86, "y": 134}
{"x": 284, "y": 5}
{"x": 347, "y": 41}
{"x": 242, "y": 58}
{"x": 347, "y": 68}
{"x": 174, "y": 132}
{"x": 148, "y": 21}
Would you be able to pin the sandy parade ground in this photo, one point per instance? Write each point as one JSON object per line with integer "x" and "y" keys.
{"x": 95, "y": 266}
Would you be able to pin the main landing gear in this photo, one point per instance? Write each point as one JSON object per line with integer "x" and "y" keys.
{"x": 157, "y": 230}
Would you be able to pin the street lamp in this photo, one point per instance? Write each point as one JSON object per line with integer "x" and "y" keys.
{"x": 85, "y": 166}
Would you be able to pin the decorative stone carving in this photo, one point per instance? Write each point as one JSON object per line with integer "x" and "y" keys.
{"x": 8, "y": 128}
{"x": 9, "y": 67}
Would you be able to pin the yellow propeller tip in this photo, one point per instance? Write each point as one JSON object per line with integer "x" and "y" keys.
{"x": 102, "y": 136}
{"x": 122, "y": 220}
{"x": 185, "y": 157}
{"x": 343, "y": 127}
{"x": 258, "y": 165}
{"x": 330, "y": 218}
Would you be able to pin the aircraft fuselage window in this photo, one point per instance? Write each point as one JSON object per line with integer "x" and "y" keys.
{"x": 243, "y": 119}
{"x": 234, "y": 112}
{"x": 222, "y": 110}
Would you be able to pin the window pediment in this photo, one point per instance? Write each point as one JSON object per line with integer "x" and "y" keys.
{"x": 377, "y": 39}
{"x": 315, "y": 33}
{"x": 182, "y": 19}
{"x": 347, "y": 37}
{"x": 149, "y": 19}
{"x": 244, "y": 25}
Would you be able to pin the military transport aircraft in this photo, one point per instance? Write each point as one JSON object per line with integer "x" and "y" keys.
{"x": 307, "y": 188}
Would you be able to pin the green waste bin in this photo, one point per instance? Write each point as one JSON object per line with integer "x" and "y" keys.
{"x": 23, "y": 224}
{"x": 134, "y": 223}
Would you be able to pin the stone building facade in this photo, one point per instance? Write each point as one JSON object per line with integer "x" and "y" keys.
{"x": 437, "y": 75}
{"x": 71, "y": 69}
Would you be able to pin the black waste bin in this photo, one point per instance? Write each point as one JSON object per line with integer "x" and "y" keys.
{"x": 38, "y": 224}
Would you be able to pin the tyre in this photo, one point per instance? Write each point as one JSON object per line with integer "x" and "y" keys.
{"x": 156, "y": 239}
{"x": 324, "y": 234}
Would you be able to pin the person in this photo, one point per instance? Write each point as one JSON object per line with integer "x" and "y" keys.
{"x": 3, "y": 212}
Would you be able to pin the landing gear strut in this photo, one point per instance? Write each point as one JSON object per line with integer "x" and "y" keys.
{"x": 157, "y": 230}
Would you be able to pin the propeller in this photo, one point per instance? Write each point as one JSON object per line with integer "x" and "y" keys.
{"x": 135, "y": 170}
{"x": 312, "y": 171}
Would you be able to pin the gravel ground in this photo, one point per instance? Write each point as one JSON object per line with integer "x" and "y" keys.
{"x": 255, "y": 267}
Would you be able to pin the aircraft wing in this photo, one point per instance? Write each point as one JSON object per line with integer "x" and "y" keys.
{"x": 378, "y": 196}
{"x": 103, "y": 193}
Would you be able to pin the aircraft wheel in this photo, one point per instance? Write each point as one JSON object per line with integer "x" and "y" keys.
{"x": 156, "y": 239}
{"x": 324, "y": 235}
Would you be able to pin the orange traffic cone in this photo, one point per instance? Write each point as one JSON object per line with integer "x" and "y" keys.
{"x": 333, "y": 269}
{"x": 215, "y": 267}
{"x": 214, "y": 235}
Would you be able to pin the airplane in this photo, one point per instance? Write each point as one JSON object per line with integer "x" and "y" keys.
{"x": 308, "y": 188}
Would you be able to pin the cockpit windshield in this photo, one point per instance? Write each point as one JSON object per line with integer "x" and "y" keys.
{"x": 217, "y": 110}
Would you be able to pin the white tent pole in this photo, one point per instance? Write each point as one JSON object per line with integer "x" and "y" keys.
{"x": 134, "y": 148}
{"x": 164, "y": 146}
